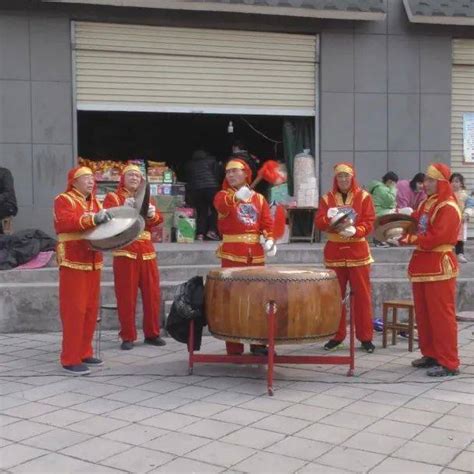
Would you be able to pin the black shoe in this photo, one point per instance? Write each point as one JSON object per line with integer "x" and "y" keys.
{"x": 440, "y": 371}
{"x": 424, "y": 362}
{"x": 332, "y": 345}
{"x": 155, "y": 341}
{"x": 76, "y": 370}
{"x": 368, "y": 347}
{"x": 126, "y": 346}
{"x": 259, "y": 351}
{"x": 212, "y": 236}
{"x": 93, "y": 361}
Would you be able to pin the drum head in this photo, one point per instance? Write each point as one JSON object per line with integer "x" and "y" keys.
{"x": 271, "y": 273}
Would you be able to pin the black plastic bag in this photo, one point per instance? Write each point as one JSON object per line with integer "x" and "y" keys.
{"x": 188, "y": 305}
{"x": 23, "y": 246}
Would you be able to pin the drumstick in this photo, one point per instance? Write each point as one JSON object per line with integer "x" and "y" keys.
{"x": 255, "y": 182}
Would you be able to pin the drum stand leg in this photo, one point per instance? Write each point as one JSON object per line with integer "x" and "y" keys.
{"x": 191, "y": 348}
{"x": 350, "y": 372}
{"x": 271, "y": 310}
{"x": 272, "y": 358}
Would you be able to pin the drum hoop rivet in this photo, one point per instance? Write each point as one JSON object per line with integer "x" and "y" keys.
{"x": 271, "y": 305}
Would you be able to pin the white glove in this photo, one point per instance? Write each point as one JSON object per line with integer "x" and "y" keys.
{"x": 272, "y": 251}
{"x": 101, "y": 217}
{"x": 151, "y": 211}
{"x": 468, "y": 213}
{"x": 348, "y": 232}
{"x": 408, "y": 211}
{"x": 130, "y": 202}
{"x": 332, "y": 212}
{"x": 395, "y": 241}
{"x": 244, "y": 193}
{"x": 268, "y": 245}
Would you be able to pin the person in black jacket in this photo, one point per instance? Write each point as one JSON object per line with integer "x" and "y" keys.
{"x": 239, "y": 150}
{"x": 203, "y": 183}
{"x": 8, "y": 205}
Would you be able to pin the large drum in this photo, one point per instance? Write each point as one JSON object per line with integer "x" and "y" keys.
{"x": 308, "y": 303}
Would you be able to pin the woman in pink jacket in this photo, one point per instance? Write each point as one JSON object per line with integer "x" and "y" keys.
{"x": 411, "y": 193}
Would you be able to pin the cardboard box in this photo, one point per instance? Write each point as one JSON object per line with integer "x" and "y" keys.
{"x": 186, "y": 230}
{"x": 168, "y": 219}
{"x": 182, "y": 212}
{"x": 167, "y": 203}
{"x": 167, "y": 189}
{"x": 160, "y": 234}
{"x": 279, "y": 193}
{"x": 168, "y": 176}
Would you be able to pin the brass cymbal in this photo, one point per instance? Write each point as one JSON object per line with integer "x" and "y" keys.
{"x": 124, "y": 227}
{"x": 385, "y": 226}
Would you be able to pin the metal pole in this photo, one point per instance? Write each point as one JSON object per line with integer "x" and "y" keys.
{"x": 191, "y": 347}
{"x": 271, "y": 311}
{"x": 350, "y": 373}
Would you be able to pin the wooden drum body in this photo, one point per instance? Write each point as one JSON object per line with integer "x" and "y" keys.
{"x": 308, "y": 304}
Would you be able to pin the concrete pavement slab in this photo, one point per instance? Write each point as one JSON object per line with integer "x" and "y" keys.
{"x": 148, "y": 415}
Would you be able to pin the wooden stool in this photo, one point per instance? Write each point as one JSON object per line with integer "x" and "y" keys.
{"x": 394, "y": 325}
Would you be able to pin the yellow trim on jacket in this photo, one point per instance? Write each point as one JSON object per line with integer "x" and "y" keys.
{"x": 348, "y": 263}
{"x": 238, "y": 258}
{"x": 249, "y": 238}
{"x": 347, "y": 240}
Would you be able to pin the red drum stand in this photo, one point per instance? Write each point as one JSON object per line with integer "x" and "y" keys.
{"x": 272, "y": 358}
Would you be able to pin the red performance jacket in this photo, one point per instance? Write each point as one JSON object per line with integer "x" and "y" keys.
{"x": 73, "y": 214}
{"x": 436, "y": 235}
{"x": 353, "y": 251}
{"x": 143, "y": 246}
{"x": 241, "y": 224}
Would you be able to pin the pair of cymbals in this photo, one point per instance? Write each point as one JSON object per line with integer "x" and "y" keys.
{"x": 393, "y": 225}
{"x": 126, "y": 225}
{"x": 343, "y": 219}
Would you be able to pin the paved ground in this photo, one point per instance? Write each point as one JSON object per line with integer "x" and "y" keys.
{"x": 142, "y": 413}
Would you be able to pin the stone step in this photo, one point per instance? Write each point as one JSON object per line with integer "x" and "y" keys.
{"x": 204, "y": 254}
{"x": 184, "y": 272}
{"x": 26, "y": 307}
{"x": 29, "y": 302}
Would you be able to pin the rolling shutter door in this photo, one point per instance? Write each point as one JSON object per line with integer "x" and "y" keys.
{"x": 168, "y": 69}
{"x": 462, "y": 101}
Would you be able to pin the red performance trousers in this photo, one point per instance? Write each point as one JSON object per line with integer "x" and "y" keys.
{"x": 236, "y": 348}
{"x": 359, "y": 280}
{"x": 79, "y": 292}
{"x": 435, "y": 311}
{"x": 129, "y": 275}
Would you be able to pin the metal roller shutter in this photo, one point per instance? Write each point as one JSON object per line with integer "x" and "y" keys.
{"x": 462, "y": 101}
{"x": 167, "y": 69}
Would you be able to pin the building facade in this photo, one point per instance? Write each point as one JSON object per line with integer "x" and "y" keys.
{"x": 392, "y": 80}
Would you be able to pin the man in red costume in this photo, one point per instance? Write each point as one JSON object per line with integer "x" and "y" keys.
{"x": 433, "y": 270}
{"x": 347, "y": 251}
{"x": 75, "y": 211}
{"x": 135, "y": 267}
{"x": 243, "y": 216}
